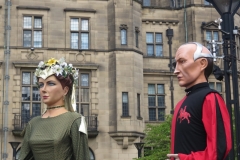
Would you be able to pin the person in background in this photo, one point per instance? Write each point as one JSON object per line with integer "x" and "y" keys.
{"x": 201, "y": 125}
{"x": 59, "y": 133}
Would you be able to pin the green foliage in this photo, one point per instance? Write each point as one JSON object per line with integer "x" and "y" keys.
{"x": 158, "y": 139}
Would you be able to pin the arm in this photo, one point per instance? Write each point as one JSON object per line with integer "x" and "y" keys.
{"x": 25, "y": 152}
{"x": 215, "y": 118}
{"x": 79, "y": 142}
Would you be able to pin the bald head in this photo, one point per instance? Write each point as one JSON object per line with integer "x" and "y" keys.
{"x": 196, "y": 50}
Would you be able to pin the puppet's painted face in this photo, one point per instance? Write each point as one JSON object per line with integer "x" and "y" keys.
{"x": 187, "y": 70}
{"x": 51, "y": 91}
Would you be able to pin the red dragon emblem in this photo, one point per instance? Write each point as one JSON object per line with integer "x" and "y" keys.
{"x": 184, "y": 115}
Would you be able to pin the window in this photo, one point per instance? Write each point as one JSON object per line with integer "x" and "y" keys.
{"x": 211, "y": 35}
{"x": 176, "y": 3}
{"x": 156, "y": 102}
{"x": 207, "y": 3}
{"x": 125, "y": 109}
{"x": 123, "y": 29}
{"x": 82, "y": 94}
{"x": 30, "y": 99}
{"x": 146, "y": 2}
{"x": 154, "y": 44}
{"x": 138, "y": 106}
{"x": 32, "y": 31}
{"x": 136, "y": 36}
{"x": 79, "y": 33}
{"x": 216, "y": 85}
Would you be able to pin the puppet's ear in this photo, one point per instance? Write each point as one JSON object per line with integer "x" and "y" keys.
{"x": 66, "y": 89}
{"x": 203, "y": 63}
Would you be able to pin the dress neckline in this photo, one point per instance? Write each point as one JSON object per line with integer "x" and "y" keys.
{"x": 55, "y": 116}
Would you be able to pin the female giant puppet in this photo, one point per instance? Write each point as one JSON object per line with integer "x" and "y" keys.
{"x": 59, "y": 133}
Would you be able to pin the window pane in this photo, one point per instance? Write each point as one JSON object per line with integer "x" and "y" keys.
{"x": 25, "y": 114}
{"x": 215, "y": 36}
{"x": 160, "y": 89}
{"x": 219, "y": 87}
{"x": 159, "y": 50}
{"x": 206, "y": 2}
{"x": 38, "y": 23}
{"x": 152, "y": 114}
{"x": 125, "y": 97}
{"x": 35, "y": 94}
{"x": 77, "y": 94}
{"x": 27, "y": 22}
{"x": 151, "y": 101}
{"x": 85, "y": 25}
{"x": 77, "y": 107}
{"x": 74, "y": 40}
{"x": 36, "y": 109}
{"x": 146, "y": 2}
{"x": 151, "y": 89}
{"x": 26, "y": 77}
{"x": 138, "y": 105}
{"x": 84, "y": 41}
{"x": 84, "y": 110}
{"x": 37, "y": 39}
{"x": 125, "y": 104}
{"x": 85, "y": 95}
{"x": 123, "y": 36}
{"x": 84, "y": 80}
{"x": 136, "y": 34}
{"x": 74, "y": 24}
{"x": 161, "y": 101}
{"x": 149, "y": 37}
{"x": 161, "y": 114}
{"x": 208, "y": 35}
{"x": 150, "y": 50}
{"x": 158, "y": 38}
{"x": 211, "y": 85}
{"x": 26, "y": 93}
{"x": 34, "y": 80}
{"x": 27, "y": 36}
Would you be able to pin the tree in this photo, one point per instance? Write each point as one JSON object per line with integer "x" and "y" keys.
{"x": 157, "y": 140}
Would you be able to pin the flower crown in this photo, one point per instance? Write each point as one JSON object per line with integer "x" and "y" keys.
{"x": 58, "y": 67}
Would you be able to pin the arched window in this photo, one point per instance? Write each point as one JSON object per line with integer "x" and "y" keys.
{"x": 123, "y": 29}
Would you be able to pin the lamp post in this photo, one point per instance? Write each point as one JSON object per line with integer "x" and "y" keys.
{"x": 14, "y": 147}
{"x": 139, "y": 146}
{"x": 169, "y": 34}
{"x": 227, "y": 9}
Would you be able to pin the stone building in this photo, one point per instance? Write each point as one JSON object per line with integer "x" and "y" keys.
{"x": 121, "y": 50}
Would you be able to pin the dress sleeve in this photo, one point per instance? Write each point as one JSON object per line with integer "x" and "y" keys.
{"x": 25, "y": 148}
{"x": 79, "y": 142}
{"x": 215, "y": 118}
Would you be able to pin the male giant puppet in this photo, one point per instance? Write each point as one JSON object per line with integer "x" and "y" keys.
{"x": 201, "y": 123}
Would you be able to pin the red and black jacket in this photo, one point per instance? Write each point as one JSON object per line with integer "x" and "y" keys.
{"x": 201, "y": 125}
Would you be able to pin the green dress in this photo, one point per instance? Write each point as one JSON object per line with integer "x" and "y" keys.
{"x": 55, "y": 138}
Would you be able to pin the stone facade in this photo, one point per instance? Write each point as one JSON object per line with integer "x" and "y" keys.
{"x": 114, "y": 68}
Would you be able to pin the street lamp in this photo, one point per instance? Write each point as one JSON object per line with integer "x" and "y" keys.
{"x": 139, "y": 146}
{"x": 169, "y": 34}
{"x": 227, "y": 9}
{"x": 14, "y": 147}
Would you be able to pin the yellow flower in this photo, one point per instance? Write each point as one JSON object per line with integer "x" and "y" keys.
{"x": 51, "y": 62}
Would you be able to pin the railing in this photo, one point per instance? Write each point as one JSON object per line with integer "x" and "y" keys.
{"x": 20, "y": 122}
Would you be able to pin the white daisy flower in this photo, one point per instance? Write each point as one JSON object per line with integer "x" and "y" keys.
{"x": 57, "y": 69}
{"x": 41, "y": 64}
